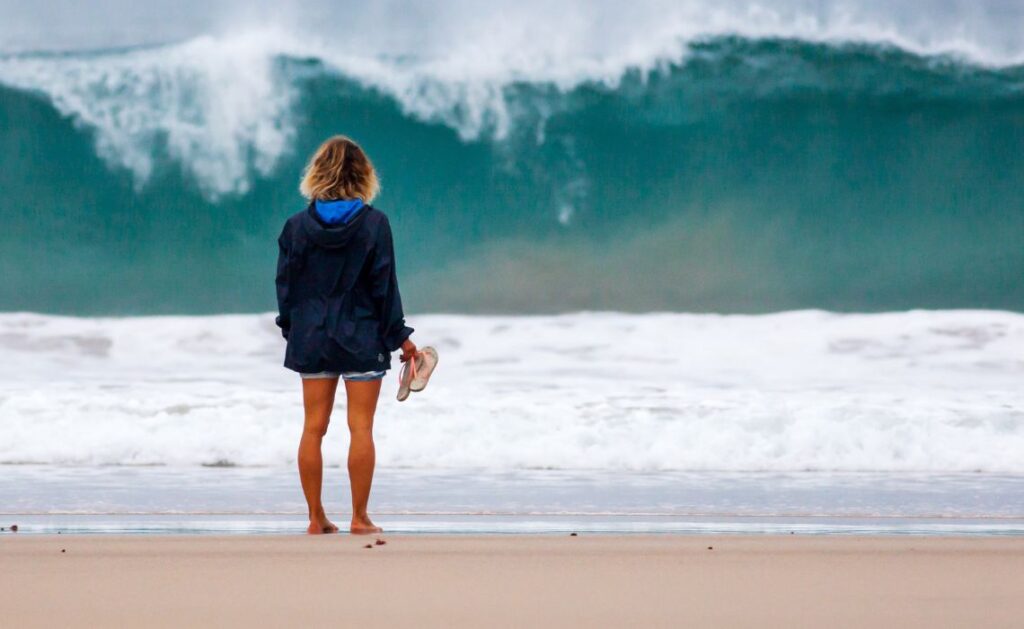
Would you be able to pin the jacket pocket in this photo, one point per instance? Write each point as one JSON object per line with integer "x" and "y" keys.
{"x": 307, "y": 332}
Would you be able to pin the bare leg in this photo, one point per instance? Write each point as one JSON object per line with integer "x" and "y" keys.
{"x": 362, "y": 404}
{"x": 318, "y": 400}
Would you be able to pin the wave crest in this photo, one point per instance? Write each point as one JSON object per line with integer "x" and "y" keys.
{"x": 225, "y": 107}
{"x": 216, "y": 106}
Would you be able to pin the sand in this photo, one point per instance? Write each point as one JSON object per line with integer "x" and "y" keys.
{"x": 511, "y": 581}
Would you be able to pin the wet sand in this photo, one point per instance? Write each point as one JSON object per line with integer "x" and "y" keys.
{"x": 511, "y": 581}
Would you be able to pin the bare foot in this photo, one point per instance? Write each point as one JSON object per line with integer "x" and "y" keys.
{"x": 364, "y": 526}
{"x": 321, "y": 525}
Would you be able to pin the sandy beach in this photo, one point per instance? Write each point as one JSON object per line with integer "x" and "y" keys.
{"x": 513, "y": 581}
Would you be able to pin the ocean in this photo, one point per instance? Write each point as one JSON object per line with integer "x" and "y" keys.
{"x": 773, "y": 250}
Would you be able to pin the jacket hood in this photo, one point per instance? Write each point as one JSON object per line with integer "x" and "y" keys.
{"x": 337, "y": 211}
{"x": 331, "y": 236}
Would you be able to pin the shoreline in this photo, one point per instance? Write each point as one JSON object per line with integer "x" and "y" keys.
{"x": 512, "y": 580}
{"x": 268, "y": 500}
{"x": 526, "y": 524}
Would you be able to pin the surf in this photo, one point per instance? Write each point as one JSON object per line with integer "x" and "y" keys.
{"x": 922, "y": 391}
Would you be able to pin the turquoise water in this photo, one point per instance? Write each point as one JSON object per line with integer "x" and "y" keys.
{"x": 747, "y": 175}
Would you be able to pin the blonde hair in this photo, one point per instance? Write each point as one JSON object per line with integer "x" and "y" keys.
{"x": 339, "y": 169}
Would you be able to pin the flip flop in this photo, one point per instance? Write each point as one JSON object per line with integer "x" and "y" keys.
{"x": 405, "y": 377}
{"x": 427, "y": 359}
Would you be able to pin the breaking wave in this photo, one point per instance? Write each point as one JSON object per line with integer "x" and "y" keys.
{"x": 848, "y": 156}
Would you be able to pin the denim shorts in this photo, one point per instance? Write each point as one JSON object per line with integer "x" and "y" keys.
{"x": 348, "y": 376}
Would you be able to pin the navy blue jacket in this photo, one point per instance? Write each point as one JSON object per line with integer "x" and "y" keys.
{"x": 337, "y": 293}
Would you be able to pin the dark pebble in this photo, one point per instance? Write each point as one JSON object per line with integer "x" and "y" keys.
{"x": 368, "y": 546}
{"x": 380, "y": 542}
{"x": 14, "y": 528}
{"x": 61, "y": 550}
{"x": 711, "y": 547}
{"x": 572, "y": 534}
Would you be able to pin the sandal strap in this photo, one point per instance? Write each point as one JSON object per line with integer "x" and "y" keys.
{"x": 410, "y": 364}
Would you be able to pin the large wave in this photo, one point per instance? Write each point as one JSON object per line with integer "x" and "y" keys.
{"x": 680, "y": 156}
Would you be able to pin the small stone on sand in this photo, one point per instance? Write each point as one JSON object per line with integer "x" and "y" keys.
{"x": 711, "y": 548}
{"x": 380, "y": 542}
{"x": 14, "y": 528}
{"x": 368, "y": 546}
{"x": 572, "y": 534}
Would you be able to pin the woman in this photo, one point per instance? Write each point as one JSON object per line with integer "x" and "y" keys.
{"x": 341, "y": 313}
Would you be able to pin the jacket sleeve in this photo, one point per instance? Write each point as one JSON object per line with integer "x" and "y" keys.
{"x": 385, "y": 290}
{"x": 283, "y": 308}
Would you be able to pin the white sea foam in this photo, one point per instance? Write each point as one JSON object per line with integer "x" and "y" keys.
{"x": 212, "y": 105}
{"x": 921, "y": 390}
{"x": 223, "y": 111}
